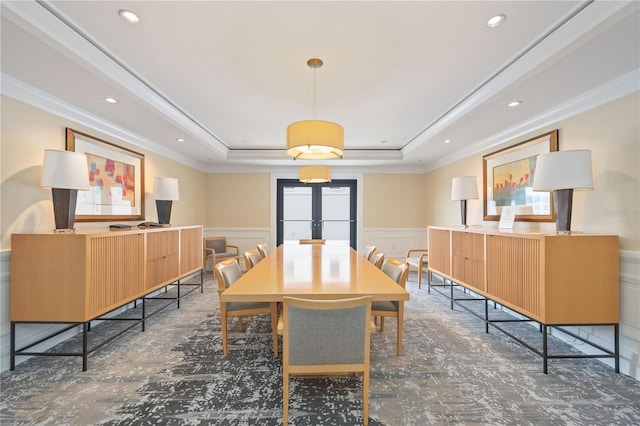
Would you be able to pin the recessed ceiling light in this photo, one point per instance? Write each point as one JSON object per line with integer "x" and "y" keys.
{"x": 110, "y": 100}
{"x": 514, "y": 104}
{"x": 447, "y": 141}
{"x": 129, "y": 16}
{"x": 179, "y": 140}
{"x": 496, "y": 20}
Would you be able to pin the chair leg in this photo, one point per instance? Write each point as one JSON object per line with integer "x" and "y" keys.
{"x": 223, "y": 323}
{"x": 285, "y": 398}
{"x": 240, "y": 324}
{"x": 365, "y": 397}
{"x": 381, "y": 323}
{"x": 419, "y": 277}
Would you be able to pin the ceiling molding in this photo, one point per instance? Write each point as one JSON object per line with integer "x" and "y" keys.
{"x": 23, "y": 92}
{"x": 44, "y": 22}
{"x": 608, "y": 92}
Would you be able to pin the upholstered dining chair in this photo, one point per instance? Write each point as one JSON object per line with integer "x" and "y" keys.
{"x": 251, "y": 258}
{"x": 263, "y": 249}
{"x": 217, "y": 249}
{"x": 227, "y": 272}
{"x": 326, "y": 337}
{"x": 397, "y": 271}
{"x": 377, "y": 258}
{"x": 419, "y": 259}
{"x": 368, "y": 251}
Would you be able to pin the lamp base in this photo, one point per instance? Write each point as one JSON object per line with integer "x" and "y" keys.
{"x": 463, "y": 213}
{"x": 164, "y": 211}
{"x": 64, "y": 208}
{"x": 563, "y": 199}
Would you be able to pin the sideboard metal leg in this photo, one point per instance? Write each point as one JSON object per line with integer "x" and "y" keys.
{"x": 13, "y": 346}
{"x": 85, "y": 352}
{"x": 144, "y": 305}
{"x": 544, "y": 349}
{"x": 616, "y": 339}
{"x": 486, "y": 315}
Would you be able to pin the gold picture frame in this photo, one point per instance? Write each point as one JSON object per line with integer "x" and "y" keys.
{"x": 508, "y": 181}
{"x": 116, "y": 180}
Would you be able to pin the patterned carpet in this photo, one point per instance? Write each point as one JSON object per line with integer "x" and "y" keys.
{"x": 451, "y": 372}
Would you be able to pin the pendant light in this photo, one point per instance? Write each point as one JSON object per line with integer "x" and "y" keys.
{"x": 315, "y": 174}
{"x": 315, "y": 139}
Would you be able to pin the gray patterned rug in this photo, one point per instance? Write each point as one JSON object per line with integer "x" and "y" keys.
{"x": 451, "y": 372}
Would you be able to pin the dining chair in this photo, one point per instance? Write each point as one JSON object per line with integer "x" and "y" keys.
{"x": 228, "y": 272}
{"x": 368, "y": 251}
{"x": 251, "y": 258}
{"x": 263, "y": 249}
{"x": 216, "y": 249}
{"x": 419, "y": 259}
{"x": 397, "y": 271}
{"x": 377, "y": 258}
{"x": 326, "y": 337}
{"x": 311, "y": 241}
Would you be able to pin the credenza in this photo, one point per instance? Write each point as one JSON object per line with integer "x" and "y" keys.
{"x": 78, "y": 277}
{"x": 554, "y": 279}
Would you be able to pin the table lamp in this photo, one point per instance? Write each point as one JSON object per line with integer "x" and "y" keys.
{"x": 464, "y": 188}
{"x": 562, "y": 172}
{"x": 166, "y": 191}
{"x": 66, "y": 173}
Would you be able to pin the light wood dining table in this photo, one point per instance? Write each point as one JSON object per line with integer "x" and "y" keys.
{"x": 315, "y": 271}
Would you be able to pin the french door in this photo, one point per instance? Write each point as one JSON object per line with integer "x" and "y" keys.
{"x": 316, "y": 210}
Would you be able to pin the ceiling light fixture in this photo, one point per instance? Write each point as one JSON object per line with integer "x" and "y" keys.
{"x": 496, "y": 20}
{"x": 315, "y": 174}
{"x": 514, "y": 104}
{"x": 315, "y": 139}
{"x": 447, "y": 141}
{"x": 129, "y": 16}
{"x": 110, "y": 100}
{"x": 179, "y": 140}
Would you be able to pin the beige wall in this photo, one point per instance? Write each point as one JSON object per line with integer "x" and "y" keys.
{"x": 394, "y": 200}
{"x": 239, "y": 200}
{"x": 612, "y": 133}
{"x": 26, "y": 207}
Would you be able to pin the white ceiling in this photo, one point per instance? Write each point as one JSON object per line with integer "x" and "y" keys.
{"x": 400, "y": 77}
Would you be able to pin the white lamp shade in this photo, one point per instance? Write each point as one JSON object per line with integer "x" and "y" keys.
{"x": 315, "y": 174}
{"x": 65, "y": 170}
{"x": 166, "y": 188}
{"x": 315, "y": 140}
{"x": 563, "y": 170}
{"x": 464, "y": 188}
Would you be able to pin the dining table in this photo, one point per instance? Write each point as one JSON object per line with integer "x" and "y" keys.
{"x": 332, "y": 270}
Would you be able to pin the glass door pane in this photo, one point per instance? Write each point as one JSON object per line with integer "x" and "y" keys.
{"x": 297, "y": 212}
{"x": 336, "y": 213}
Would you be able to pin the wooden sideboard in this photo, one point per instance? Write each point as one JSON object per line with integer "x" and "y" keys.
{"x": 554, "y": 279}
{"x": 80, "y": 276}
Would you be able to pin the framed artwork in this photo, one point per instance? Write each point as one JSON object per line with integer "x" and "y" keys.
{"x": 116, "y": 180}
{"x": 508, "y": 181}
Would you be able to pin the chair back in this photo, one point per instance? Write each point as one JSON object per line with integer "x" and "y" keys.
{"x": 368, "y": 251}
{"x": 377, "y": 258}
{"x": 311, "y": 241}
{"x": 227, "y": 272}
{"x": 218, "y": 244}
{"x": 329, "y": 335}
{"x": 396, "y": 270}
{"x": 263, "y": 249}
{"x": 251, "y": 258}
